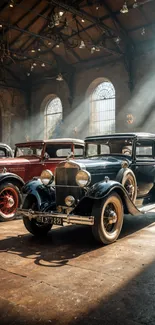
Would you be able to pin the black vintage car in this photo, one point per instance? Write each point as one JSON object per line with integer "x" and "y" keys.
{"x": 116, "y": 177}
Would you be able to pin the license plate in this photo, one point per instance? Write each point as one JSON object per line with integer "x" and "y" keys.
{"x": 57, "y": 221}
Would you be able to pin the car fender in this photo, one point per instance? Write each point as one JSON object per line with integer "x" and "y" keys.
{"x": 44, "y": 195}
{"x": 101, "y": 190}
{"x": 11, "y": 178}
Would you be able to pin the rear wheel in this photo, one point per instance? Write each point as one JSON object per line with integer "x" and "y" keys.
{"x": 10, "y": 200}
{"x": 37, "y": 229}
{"x": 108, "y": 215}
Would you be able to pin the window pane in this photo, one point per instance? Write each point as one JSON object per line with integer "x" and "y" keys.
{"x": 52, "y": 118}
{"x": 102, "y": 114}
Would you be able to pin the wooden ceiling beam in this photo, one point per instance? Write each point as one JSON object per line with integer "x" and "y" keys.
{"x": 28, "y": 25}
{"x": 121, "y": 30}
{"x": 82, "y": 14}
{"x": 39, "y": 32}
{"x": 23, "y": 16}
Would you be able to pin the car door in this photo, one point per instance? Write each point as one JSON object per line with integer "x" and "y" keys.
{"x": 144, "y": 166}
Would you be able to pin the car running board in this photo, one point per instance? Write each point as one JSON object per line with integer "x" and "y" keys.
{"x": 147, "y": 208}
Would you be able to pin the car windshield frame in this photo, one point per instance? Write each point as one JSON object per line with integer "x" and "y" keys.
{"x": 33, "y": 155}
{"x": 110, "y": 142}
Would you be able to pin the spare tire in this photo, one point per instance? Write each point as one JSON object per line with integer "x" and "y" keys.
{"x": 127, "y": 178}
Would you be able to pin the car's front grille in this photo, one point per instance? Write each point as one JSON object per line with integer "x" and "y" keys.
{"x": 66, "y": 185}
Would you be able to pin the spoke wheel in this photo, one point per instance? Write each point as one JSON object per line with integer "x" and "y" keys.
{"x": 9, "y": 201}
{"x": 108, "y": 215}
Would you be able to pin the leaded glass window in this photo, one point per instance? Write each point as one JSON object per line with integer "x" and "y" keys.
{"x": 102, "y": 109}
{"x": 52, "y": 117}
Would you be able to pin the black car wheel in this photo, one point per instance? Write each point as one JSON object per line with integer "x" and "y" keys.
{"x": 108, "y": 215}
{"x": 10, "y": 200}
{"x": 35, "y": 228}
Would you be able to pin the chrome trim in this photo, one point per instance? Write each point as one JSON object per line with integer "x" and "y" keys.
{"x": 70, "y": 219}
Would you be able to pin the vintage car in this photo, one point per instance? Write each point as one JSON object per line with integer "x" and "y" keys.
{"x": 116, "y": 177}
{"x": 5, "y": 151}
{"x": 29, "y": 161}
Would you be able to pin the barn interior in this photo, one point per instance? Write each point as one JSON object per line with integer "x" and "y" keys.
{"x": 71, "y": 69}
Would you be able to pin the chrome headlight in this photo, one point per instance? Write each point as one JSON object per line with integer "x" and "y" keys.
{"x": 83, "y": 178}
{"x": 46, "y": 177}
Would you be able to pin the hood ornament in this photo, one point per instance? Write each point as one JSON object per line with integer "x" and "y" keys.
{"x": 4, "y": 170}
{"x": 70, "y": 155}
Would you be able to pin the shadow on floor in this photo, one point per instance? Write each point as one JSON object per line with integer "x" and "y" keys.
{"x": 66, "y": 243}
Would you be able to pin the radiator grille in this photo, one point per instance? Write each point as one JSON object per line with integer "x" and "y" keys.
{"x": 66, "y": 185}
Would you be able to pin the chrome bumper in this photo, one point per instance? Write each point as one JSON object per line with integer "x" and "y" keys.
{"x": 47, "y": 217}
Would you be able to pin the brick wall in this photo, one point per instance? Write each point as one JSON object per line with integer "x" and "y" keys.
{"x": 13, "y": 116}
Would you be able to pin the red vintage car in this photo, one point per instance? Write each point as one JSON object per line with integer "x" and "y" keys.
{"x": 29, "y": 161}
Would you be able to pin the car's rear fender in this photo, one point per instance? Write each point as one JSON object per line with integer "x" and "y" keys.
{"x": 11, "y": 178}
{"x": 100, "y": 191}
{"x": 43, "y": 195}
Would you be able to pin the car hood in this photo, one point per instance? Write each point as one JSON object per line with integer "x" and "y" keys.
{"x": 104, "y": 162}
{"x": 13, "y": 161}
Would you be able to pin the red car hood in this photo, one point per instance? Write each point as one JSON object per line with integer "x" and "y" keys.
{"x": 13, "y": 161}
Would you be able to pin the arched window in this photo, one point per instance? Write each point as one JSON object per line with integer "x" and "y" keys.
{"x": 102, "y": 109}
{"x": 52, "y": 117}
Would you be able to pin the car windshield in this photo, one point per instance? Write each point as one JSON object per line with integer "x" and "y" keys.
{"x": 33, "y": 151}
{"x": 109, "y": 146}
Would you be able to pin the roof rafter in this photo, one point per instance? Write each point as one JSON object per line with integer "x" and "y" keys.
{"x": 123, "y": 33}
{"x": 30, "y": 24}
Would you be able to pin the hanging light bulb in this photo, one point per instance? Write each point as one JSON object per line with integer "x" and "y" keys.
{"x": 82, "y": 45}
{"x": 61, "y": 13}
{"x": 49, "y": 43}
{"x": 56, "y": 20}
{"x": 97, "y": 49}
{"x": 1, "y": 25}
{"x": 28, "y": 74}
{"x": 39, "y": 50}
{"x": 58, "y": 45}
{"x": 97, "y": 7}
{"x": 59, "y": 77}
{"x": 33, "y": 50}
{"x": 34, "y": 64}
{"x": 11, "y": 5}
{"x": 124, "y": 9}
{"x": 135, "y": 5}
{"x": 83, "y": 21}
{"x": 117, "y": 40}
{"x": 43, "y": 64}
{"x": 93, "y": 49}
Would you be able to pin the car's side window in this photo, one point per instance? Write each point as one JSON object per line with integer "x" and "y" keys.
{"x": 144, "y": 150}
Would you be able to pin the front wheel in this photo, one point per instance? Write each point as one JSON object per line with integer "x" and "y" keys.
{"x": 108, "y": 215}
{"x": 35, "y": 228}
{"x": 10, "y": 200}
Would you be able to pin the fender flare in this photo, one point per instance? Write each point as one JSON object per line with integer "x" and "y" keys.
{"x": 12, "y": 178}
{"x": 101, "y": 190}
{"x": 44, "y": 195}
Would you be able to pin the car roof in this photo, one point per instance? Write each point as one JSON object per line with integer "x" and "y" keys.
{"x": 141, "y": 135}
{"x": 5, "y": 145}
{"x": 52, "y": 141}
